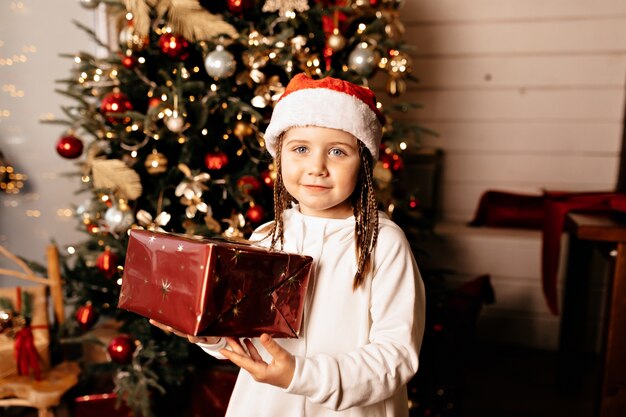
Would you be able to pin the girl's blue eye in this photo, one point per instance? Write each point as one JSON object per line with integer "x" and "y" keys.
{"x": 336, "y": 152}
{"x": 300, "y": 149}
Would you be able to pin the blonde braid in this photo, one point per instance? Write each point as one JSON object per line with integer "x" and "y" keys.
{"x": 365, "y": 208}
{"x": 282, "y": 198}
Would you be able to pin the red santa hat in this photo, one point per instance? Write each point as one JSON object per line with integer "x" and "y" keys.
{"x": 329, "y": 102}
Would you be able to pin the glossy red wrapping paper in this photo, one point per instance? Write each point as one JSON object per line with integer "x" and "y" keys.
{"x": 212, "y": 287}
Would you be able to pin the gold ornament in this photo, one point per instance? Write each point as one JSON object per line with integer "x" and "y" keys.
{"x": 399, "y": 63}
{"x": 145, "y": 220}
{"x": 236, "y": 223}
{"x": 243, "y": 129}
{"x": 190, "y": 191}
{"x": 336, "y": 41}
{"x": 129, "y": 39}
{"x": 286, "y": 7}
{"x": 252, "y": 74}
{"x": 360, "y": 4}
{"x": 156, "y": 163}
{"x": 268, "y": 93}
{"x": 395, "y": 86}
{"x": 394, "y": 28}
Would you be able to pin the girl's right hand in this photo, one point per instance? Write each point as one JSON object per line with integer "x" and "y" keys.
{"x": 209, "y": 340}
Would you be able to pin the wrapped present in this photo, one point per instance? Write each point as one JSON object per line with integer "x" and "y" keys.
{"x": 211, "y": 287}
{"x": 25, "y": 349}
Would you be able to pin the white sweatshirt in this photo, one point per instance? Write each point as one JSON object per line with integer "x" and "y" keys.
{"x": 357, "y": 349}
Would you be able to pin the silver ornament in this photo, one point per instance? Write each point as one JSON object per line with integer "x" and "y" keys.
{"x": 220, "y": 63}
{"x": 117, "y": 220}
{"x": 86, "y": 211}
{"x": 175, "y": 123}
{"x": 362, "y": 60}
{"x": 336, "y": 41}
{"x": 89, "y": 4}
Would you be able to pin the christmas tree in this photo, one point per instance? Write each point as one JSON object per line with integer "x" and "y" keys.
{"x": 167, "y": 132}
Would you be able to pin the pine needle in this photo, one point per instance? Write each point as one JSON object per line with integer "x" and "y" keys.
{"x": 195, "y": 23}
{"x": 115, "y": 175}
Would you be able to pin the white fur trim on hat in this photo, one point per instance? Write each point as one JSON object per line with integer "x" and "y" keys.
{"x": 324, "y": 108}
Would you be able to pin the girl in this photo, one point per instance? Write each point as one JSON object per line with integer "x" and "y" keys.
{"x": 364, "y": 316}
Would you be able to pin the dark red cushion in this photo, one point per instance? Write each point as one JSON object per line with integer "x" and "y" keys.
{"x": 511, "y": 210}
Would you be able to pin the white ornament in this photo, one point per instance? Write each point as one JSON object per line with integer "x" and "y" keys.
{"x": 89, "y": 4}
{"x": 118, "y": 220}
{"x": 175, "y": 122}
{"x": 220, "y": 63}
{"x": 362, "y": 60}
{"x": 285, "y": 7}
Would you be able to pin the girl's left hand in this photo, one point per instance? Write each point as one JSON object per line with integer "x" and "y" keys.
{"x": 279, "y": 372}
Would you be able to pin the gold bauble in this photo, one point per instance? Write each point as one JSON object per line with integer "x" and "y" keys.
{"x": 243, "y": 129}
{"x": 395, "y": 86}
{"x": 156, "y": 163}
{"x": 399, "y": 63}
{"x": 361, "y": 4}
{"x": 130, "y": 40}
{"x": 336, "y": 41}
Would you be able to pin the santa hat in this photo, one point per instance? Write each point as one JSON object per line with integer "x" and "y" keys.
{"x": 329, "y": 102}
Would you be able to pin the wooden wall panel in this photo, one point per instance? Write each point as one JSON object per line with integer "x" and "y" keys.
{"x": 495, "y": 72}
{"x": 463, "y": 10}
{"x": 545, "y": 138}
{"x": 597, "y": 105}
{"x": 532, "y": 37}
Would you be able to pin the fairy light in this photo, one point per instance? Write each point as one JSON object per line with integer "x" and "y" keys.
{"x": 205, "y": 131}
{"x": 71, "y": 250}
{"x": 403, "y": 146}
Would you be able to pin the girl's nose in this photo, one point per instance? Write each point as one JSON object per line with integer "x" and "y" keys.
{"x": 317, "y": 165}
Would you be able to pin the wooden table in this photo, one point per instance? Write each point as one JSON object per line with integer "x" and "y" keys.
{"x": 585, "y": 232}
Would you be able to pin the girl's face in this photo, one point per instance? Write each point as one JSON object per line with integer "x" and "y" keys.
{"x": 320, "y": 168}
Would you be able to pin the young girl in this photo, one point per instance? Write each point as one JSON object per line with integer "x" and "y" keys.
{"x": 364, "y": 315}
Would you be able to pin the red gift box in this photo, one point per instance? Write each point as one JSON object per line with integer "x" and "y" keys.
{"x": 210, "y": 287}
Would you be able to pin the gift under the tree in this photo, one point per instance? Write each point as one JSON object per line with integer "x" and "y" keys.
{"x": 212, "y": 287}
{"x": 24, "y": 333}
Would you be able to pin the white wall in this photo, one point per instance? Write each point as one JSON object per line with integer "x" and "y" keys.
{"x": 39, "y": 30}
{"x": 526, "y": 95}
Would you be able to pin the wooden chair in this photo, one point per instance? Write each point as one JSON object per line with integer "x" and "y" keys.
{"x": 24, "y": 390}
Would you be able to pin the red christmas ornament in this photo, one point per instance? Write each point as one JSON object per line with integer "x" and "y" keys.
{"x": 70, "y": 147}
{"x": 121, "y": 349}
{"x": 129, "y": 61}
{"x": 114, "y": 104}
{"x": 392, "y": 161}
{"x": 267, "y": 178}
{"x": 154, "y": 102}
{"x": 248, "y": 184}
{"x": 107, "y": 262}
{"x": 215, "y": 160}
{"x": 255, "y": 214}
{"x": 239, "y": 6}
{"x": 174, "y": 46}
{"x": 86, "y": 316}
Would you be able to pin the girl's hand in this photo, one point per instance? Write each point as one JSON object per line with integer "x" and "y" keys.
{"x": 210, "y": 340}
{"x": 279, "y": 372}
